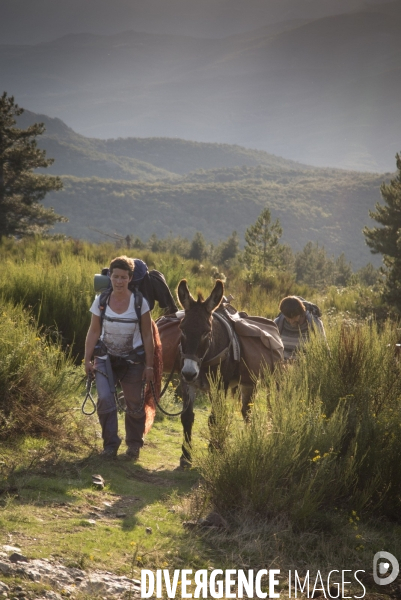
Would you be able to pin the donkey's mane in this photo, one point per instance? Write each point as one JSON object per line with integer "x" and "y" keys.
{"x": 200, "y": 297}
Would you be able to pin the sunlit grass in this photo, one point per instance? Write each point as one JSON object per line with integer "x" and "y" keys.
{"x": 323, "y": 442}
{"x": 324, "y": 433}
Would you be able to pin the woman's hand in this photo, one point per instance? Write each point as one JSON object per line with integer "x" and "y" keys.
{"x": 148, "y": 374}
{"x": 89, "y": 368}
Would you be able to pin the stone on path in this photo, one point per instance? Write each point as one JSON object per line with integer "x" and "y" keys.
{"x": 70, "y": 580}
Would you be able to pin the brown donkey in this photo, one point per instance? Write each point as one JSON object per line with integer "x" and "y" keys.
{"x": 203, "y": 343}
{"x": 206, "y": 347}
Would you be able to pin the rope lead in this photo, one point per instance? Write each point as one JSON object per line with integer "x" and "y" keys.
{"x": 120, "y": 407}
{"x": 89, "y": 396}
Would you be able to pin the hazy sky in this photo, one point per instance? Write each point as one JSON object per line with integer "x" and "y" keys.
{"x": 33, "y": 21}
{"x": 306, "y": 82}
{"x": 315, "y": 81}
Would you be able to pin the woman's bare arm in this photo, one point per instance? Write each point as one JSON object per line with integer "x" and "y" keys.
{"x": 92, "y": 338}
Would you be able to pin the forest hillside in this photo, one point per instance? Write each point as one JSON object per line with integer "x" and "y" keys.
{"x": 146, "y": 186}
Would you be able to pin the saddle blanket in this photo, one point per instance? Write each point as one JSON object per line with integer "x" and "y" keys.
{"x": 260, "y": 342}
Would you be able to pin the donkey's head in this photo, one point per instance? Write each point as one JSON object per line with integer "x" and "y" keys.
{"x": 196, "y": 327}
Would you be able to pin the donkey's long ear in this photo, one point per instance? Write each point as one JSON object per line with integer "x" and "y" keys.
{"x": 184, "y": 295}
{"x": 215, "y": 297}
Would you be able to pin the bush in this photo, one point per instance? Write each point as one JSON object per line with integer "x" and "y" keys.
{"x": 325, "y": 433}
{"x": 37, "y": 380}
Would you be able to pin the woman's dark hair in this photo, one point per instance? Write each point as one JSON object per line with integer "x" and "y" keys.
{"x": 291, "y": 307}
{"x": 122, "y": 262}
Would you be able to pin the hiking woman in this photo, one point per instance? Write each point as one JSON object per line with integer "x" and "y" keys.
{"x": 123, "y": 350}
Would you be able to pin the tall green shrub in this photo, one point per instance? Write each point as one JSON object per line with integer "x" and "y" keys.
{"x": 325, "y": 433}
{"x": 37, "y": 380}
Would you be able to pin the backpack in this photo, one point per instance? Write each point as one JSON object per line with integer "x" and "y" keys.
{"x": 311, "y": 308}
{"x": 150, "y": 285}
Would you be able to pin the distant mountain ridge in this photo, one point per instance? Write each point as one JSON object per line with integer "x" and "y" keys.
{"x": 165, "y": 186}
{"x": 144, "y": 159}
{"x": 77, "y": 155}
{"x": 321, "y": 91}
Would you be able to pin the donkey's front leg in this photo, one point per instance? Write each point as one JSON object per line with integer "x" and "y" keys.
{"x": 187, "y": 420}
{"x": 247, "y": 390}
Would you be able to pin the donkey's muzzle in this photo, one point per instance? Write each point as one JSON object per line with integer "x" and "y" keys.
{"x": 190, "y": 370}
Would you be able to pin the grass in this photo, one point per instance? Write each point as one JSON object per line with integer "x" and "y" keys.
{"x": 313, "y": 481}
{"x": 54, "y": 488}
{"x": 36, "y": 380}
{"x": 48, "y": 516}
{"x": 53, "y": 279}
{"x": 324, "y": 435}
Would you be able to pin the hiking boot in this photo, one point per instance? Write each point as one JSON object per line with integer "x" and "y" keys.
{"x": 132, "y": 453}
{"x": 110, "y": 452}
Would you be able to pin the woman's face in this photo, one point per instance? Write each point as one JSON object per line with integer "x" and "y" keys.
{"x": 120, "y": 279}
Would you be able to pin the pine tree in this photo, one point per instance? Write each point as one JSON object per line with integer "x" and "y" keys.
{"x": 386, "y": 240}
{"x": 228, "y": 249}
{"x": 198, "y": 249}
{"x": 343, "y": 271}
{"x": 262, "y": 248}
{"x": 369, "y": 275}
{"x": 312, "y": 265}
{"x": 21, "y": 190}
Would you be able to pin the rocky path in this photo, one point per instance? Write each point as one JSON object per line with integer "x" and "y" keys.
{"x": 64, "y": 582}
